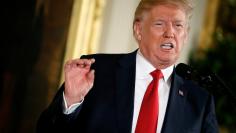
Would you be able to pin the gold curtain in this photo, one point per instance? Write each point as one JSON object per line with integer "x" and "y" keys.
{"x": 85, "y": 28}
{"x": 209, "y": 25}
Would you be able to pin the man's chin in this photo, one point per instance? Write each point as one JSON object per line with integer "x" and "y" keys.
{"x": 168, "y": 61}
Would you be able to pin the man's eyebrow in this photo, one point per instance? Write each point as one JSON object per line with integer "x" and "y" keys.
{"x": 159, "y": 20}
{"x": 178, "y": 20}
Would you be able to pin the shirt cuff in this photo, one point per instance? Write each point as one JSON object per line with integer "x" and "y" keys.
{"x": 68, "y": 110}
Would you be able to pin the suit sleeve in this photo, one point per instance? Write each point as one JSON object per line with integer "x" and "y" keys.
{"x": 53, "y": 119}
{"x": 210, "y": 124}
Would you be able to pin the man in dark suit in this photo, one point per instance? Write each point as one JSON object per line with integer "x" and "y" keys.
{"x": 108, "y": 93}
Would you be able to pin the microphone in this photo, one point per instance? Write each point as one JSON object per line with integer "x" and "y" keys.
{"x": 210, "y": 81}
{"x": 189, "y": 73}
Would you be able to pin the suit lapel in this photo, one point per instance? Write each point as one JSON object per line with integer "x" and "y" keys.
{"x": 125, "y": 84}
{"x": 174, "y": 117}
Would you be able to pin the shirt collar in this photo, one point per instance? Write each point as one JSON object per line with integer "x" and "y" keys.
{"x": 143, "y": 68}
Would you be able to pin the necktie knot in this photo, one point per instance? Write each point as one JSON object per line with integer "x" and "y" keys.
{"x": 156, "y": 74}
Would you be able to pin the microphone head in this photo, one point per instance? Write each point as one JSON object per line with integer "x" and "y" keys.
{"x": 183, "y": 70}
{"x": 207, "y": 81}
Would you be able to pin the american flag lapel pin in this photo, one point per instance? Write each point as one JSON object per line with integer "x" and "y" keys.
{"x": 181, "y": 93}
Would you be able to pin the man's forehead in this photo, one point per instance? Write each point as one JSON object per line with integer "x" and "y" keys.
{"x": 164, "y": 11}
{"x": 170, "y": 7}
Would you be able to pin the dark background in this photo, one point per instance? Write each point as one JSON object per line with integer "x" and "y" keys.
{"x": 220, "y": 58}
{"x": 33, "y": 38}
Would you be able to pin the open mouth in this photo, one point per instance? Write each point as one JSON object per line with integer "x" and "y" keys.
{"x": 167, "y": 46}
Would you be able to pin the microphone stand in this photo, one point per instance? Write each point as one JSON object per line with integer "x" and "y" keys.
{"x": 213, "y": 83}
{"x": 218, "y": 85}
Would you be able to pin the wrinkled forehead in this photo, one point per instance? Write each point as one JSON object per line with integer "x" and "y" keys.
{"x": 167, "y": 11}
{"x": 155, "y": 9}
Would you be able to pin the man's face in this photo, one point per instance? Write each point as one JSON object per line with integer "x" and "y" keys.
{"x": 161, "y": 34}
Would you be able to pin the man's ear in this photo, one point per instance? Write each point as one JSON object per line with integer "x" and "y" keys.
{"x": 137, "y": 30}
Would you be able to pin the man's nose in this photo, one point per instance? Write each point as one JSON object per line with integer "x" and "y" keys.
{"x": 169, "y": 31}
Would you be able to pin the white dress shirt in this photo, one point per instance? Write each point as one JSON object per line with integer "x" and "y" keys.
{"x": 142, "y": 80}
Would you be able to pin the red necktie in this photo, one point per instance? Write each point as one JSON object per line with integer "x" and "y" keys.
{"x": 148, "y": 115}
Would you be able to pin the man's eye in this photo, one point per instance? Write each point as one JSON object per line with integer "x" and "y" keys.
{"x": 159, "y": 24}
{"x": 179, "y": 25}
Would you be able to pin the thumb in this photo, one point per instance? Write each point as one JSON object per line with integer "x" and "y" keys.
{"x": 90, "y": 77}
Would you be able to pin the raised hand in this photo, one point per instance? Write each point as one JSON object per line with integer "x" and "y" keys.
{"x": 79, "y": 78}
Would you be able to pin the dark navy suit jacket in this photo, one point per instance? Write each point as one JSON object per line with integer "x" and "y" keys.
{"x": 108, "y": 107}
